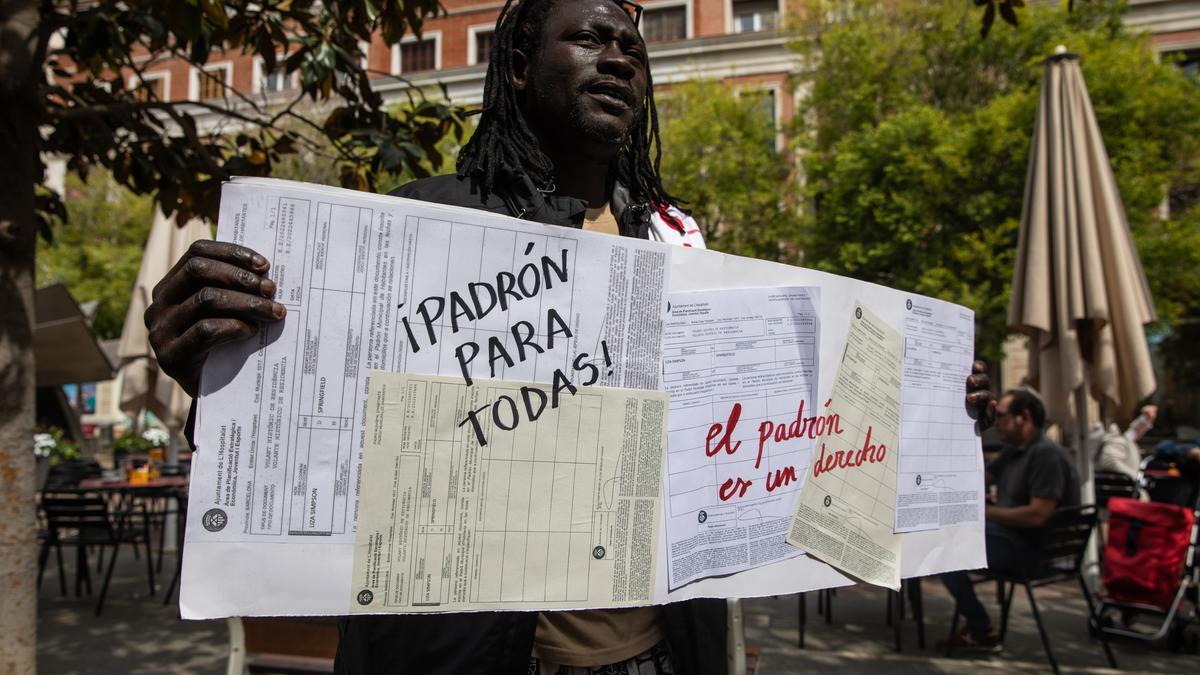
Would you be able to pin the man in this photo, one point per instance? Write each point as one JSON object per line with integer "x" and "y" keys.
{"x": 568, "y": 136}
{"x": 1033, "y": 478}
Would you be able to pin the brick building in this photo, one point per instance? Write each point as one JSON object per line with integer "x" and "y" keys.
{"x": 737, "y": 41}
{"x": 734, "y": 40}
{"x": 1174, "y": 26}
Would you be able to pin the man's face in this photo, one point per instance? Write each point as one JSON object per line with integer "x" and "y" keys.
{"x": 585, "y": 84}
{"x": 1010, "y": 427}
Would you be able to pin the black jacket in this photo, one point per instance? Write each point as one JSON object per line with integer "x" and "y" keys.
{"x": 500, "y": 642}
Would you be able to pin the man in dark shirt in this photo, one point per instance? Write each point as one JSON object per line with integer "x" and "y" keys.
{"x": 568, "y": 127}
{"x": 1033, "y": 478}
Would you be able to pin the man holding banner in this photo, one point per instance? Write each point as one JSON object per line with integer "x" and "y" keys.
{"x": 568, "y": 136}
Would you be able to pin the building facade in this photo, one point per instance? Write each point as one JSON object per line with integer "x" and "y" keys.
{"x": 737, "y": 41}
{"x": 1174, "y": 25}
{"x": 741, "y": 42}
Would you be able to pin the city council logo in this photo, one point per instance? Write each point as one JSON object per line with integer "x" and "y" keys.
{"x": 828, "y": 501}
{"x": 598, "y": 553}
{"x": 702, "y": 516}
{"x": 365, "y": 597}
{"x": 214, "y": 520}
{"x": 908, "y": 304}
{"x": 858, "y": 312}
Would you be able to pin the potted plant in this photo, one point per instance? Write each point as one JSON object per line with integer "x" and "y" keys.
{"x": 50, "y": 447}
{"x": 123, "y": 447}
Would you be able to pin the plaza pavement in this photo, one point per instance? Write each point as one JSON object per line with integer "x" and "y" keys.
{"x": 136, "y": 634}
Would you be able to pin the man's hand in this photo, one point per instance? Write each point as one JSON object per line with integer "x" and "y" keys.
{"x": 1033, "y": 514}
{"x": 215, "y": 293}
{"x": 980, "y": 403}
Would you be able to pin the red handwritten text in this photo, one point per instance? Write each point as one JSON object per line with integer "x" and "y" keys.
{"x": 782, "y": 477}
{"x": 813, "y": 427}
{"x": 869, "y": 453}
{"x": 715, "y": 430}
{"x": 730, "y": 489}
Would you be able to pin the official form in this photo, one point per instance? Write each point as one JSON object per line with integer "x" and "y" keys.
{"x": 940, "y": 477}
{"x": 559, "y": 512}
{"x": 753, "y": 351}
{"x": 845, "y": 512}
{"x": 380, "y": 283}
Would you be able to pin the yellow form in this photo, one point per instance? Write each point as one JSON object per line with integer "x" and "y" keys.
{"x": 846, "y": 512}
{"x": 552, "y": 502}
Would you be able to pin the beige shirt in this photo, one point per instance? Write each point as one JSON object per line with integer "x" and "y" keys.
{"x": 596, "y": 637}
{"x": 600, "y": 219}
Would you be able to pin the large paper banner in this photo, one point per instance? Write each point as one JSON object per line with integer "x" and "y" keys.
{"x": 524, "y": 324}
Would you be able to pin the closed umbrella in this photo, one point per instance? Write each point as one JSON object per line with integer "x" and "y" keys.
{"x": 144, "y": 386}
{"x": 1079, "y": 291}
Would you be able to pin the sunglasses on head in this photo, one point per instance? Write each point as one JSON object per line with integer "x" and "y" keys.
{"x": 633, "y": 9}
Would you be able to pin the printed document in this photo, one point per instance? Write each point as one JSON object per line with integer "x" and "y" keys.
{"x": 846, "y": 511}
{"x": 381, "y": 283}
{"x": 939, "y": 482}
{"x": 741, "y": 368}
{"x": 557, "y": 512}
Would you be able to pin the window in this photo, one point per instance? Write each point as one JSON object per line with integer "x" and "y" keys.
{"x": 151, "y": 86}
{"x": 755, "y": 15}
{"x": 364, "y": 54}
{"x": 660, "y": 24}
{"x": 212, "y": 81}
{"x": 1188, "y": 61}
{"x": 415, "y": 56}
{"x": 276, "y": 80}
{"x": 839, "y": 11}
{"x": 764, "y": 99}
{"x": 481, "y": 44}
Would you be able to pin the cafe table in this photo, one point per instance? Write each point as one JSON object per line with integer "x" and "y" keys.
{"x": 124, "y": 494}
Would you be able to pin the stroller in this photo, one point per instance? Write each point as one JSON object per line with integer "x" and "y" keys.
{"x": 1151, "y": 566}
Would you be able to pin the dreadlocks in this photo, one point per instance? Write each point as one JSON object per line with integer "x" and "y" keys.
{"x": 504, "y": 141}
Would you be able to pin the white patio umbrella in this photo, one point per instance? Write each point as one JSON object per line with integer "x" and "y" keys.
{"x": 144, "y": 386}
{"x": 1079, "y": 291}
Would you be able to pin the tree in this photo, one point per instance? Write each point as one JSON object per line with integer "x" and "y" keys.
{"x": 96, "y": 252}
{"x": 916, "y": 137}
{"x": 722, "y": 159}
{"x": 307, "y": 165}
{"x": 64, "y": 67}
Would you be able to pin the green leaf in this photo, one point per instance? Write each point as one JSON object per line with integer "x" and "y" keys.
{"x": 1007, "y": 13}
{"x": 215, "y": 11}
{"x": 989, "y": 17}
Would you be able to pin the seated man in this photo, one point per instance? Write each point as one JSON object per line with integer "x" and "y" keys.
{"x": 1033, "y": 477}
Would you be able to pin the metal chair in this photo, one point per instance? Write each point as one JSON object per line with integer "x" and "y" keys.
{"x": 1059, "y": 558}
{"x": 1110, "y": 484}
{"x": 181, "y": 500}
{"x": 893, "y": 616}
{"x": 895, "y": 613}
{"x": 824, "y": 606}
{"x": 65, "y": 475}
{"x": 82, "y": 518}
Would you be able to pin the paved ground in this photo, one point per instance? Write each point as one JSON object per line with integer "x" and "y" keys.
{"x": 859, "y": 641}
{"x": 136, "y": 634}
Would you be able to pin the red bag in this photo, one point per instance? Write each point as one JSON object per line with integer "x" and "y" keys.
{"x": 1147, "y": 547}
